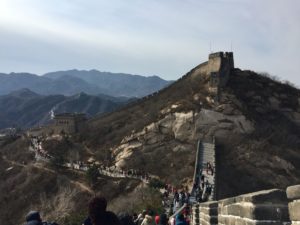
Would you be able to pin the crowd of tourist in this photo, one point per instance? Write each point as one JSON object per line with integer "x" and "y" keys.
{"x": 203, "y": 190}
{"x": 113, "y": 171}
{"x": 36, "y": 146}
{"x": 99, "y": 215}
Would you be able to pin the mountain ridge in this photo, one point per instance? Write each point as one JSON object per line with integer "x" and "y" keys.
{"x": 92, "y": 82}
{"x": 25, "y": 108}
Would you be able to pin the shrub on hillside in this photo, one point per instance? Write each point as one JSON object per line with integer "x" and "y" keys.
{"x": 145, "y": 198}
{"x": 92, "y": 175}
{"x": 156, "y": 183}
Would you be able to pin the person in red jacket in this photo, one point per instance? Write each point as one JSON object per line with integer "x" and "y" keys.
{"x": 156, "y": 219}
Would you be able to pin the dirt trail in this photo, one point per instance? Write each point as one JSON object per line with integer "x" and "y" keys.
{"x": 79, "y": 184}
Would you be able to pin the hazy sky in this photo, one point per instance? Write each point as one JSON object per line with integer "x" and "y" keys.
{"x": 157, "y": 37}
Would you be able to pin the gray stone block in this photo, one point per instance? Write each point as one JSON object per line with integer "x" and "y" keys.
{"x": 264, "y": 223}
{"x": 240, "y": 221}
{"x": 266, "y": 196}
{"x": 294, "y": 210}
{"x": 210, "y": 219}
{"x": 227, "y": 201}
{"x": 223, "y": 210}
{"x": 211, "y": 204}
{"x": 221, "y": 219}
{"x": 203, "y": 222}
{"x": 259, "y": 212}
{"x": 228, "y": 220}
{"x": 209, "y": 211}
{"x": 294, "y": 223}
{"x": 293, "y": 192}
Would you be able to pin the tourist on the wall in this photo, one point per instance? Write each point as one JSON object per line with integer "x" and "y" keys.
{"x": 125, "y": 219}
{"x": 180, "y": 220}
{"x": 163, "y": 219}
{"x": 34, "y": 218}
{"x": 148, "y": 220}
{"x": 141, "y": 217}
{"x": 98, "y": 214}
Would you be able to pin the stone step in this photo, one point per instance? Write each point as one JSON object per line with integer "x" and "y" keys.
{"x": 208, "y": 153}
{"x": 209, "y": 159}
{"x": 207, "y": 156}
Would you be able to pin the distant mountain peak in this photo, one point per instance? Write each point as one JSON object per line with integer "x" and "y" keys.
{"x": 24, "y": 93}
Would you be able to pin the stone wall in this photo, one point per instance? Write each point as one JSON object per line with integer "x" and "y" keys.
{"x": 263, "y": 207}
{"x": 208, "y": 213}
{"x": 293, "y": 194}
{"x": 269, "y": 207}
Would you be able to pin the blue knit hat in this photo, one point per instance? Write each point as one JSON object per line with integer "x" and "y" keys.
{"x": 33, "y": 215}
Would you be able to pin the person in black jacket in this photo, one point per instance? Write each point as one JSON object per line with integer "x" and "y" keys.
{"x": 34, "y": 218}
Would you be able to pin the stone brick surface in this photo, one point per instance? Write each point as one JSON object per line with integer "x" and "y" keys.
{"x": 270, "y": 196}
{"x": 258, "y": 212}
{"x": 209, "y": 211}
{"x": 293, "y": 192}
{"x": 294, "y": 210}
{"x": 212, "y": 204}
{"x": 210, "y": 219}
{"x": 227, "y": 201}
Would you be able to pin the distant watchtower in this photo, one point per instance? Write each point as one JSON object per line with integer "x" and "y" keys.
{"x": 68, "y": 122}
{"x": 219, "y": 66}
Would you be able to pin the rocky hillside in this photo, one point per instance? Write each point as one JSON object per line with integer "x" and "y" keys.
{"x": 256, "y": 123}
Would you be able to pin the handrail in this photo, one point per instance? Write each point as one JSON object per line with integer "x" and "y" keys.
{"x": 196, "y": 167}
{"x": 178, "y": 211}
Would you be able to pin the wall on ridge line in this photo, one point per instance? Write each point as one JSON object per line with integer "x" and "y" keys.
{"x": 293, "y": 194}
{"x": 268, "y": 207}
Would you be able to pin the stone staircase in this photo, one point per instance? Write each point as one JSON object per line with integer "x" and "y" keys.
{"x": 208, "y": 157}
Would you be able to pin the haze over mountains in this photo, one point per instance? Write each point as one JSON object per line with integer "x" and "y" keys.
{"x": 27, "y": 99}
{"x": 25, "y": 108}
{"x": 75, "y": 81}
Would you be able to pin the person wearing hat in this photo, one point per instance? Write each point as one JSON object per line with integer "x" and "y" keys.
{"x": 33, "y": 218}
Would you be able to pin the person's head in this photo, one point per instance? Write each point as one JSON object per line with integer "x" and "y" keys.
{"x": 107, "y": 218}
{"x": 33, "y": 215}
{"x": 97, "y": 206}
{"x": 134, "y": 216}
{"x": 33, "y": 218}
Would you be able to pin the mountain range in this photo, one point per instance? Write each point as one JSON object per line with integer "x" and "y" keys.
{"x": 25, "y": 108}
{"x": 92, "y": 82}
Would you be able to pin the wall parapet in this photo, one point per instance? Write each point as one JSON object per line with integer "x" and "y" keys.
{"x": 267, "y": 207}
{"x": 293, "y": 194}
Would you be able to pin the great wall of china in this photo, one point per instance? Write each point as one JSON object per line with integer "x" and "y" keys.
{"x": 267, "y": 207}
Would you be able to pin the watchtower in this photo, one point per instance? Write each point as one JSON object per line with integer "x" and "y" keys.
{"x": 220, "y": 65}
{"x": 68, "y": 122}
